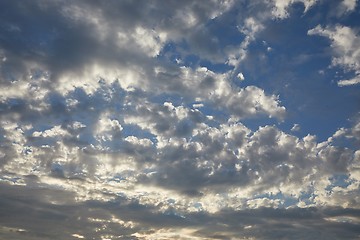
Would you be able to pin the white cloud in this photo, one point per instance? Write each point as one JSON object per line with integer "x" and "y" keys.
{"x": 345, "y": 44}
{"x": 241, "y": 76}
{"x": 347, "y": 6}
{"x": 149, "y": 40}
{"x": 75, "y": 235}
{"x": 280, "y": 9}
{"x": 295, "y": 128}
{"x": 141, "y": 142}
{"x": 77, "y": 125}
{"x": 349, "y": 82}
{"x": 250, "y": 27}
{"x": 55, "y": 131}
{"x": 241, "y": 102}
{"x": 107, "y": 129}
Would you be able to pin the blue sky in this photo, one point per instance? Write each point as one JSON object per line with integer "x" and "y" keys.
{"x": 180, "y": 119}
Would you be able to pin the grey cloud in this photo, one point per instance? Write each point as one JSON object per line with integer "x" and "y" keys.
{"x": 123, "y": 219}
{"x": 65, "y": 37}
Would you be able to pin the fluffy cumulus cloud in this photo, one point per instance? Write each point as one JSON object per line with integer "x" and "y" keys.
{"x": 134, "y": 120}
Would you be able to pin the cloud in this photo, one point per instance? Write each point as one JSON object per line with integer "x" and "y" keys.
{"x": 127, "y": 120}
{"x": 166, "y": 141}
{"x": 347, "y": 6}
{"x": 79, "y": 35}
{"x": 129, "y": 219}
{"x": 241, "y": 77}
{"x": 280, "y": 9}
{"x": 295, "y": 128}
{"x": 345, "y": 44}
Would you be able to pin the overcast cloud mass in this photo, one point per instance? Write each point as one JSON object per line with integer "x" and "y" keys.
{"x": 185, "y": 119}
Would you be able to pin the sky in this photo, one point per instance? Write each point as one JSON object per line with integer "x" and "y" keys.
{"x": 216, "y": 119}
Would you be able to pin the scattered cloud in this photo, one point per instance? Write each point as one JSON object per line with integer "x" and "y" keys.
{"x": 132, "y": 120}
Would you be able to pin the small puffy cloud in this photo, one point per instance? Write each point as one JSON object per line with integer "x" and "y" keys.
{"x": 295, "y": 128}
{"x": 56, "y": 131}
{"x": 77, "y": 125}
{"x": 107, "y": 128}
{"x": 75, "y": 235}
{"x": 241, "y": 76}
{"x": 136, "y": 141}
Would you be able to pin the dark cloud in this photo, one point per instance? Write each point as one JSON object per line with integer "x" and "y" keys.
{"x": 65, "y": 38}
{"x": 25, "y": 216}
